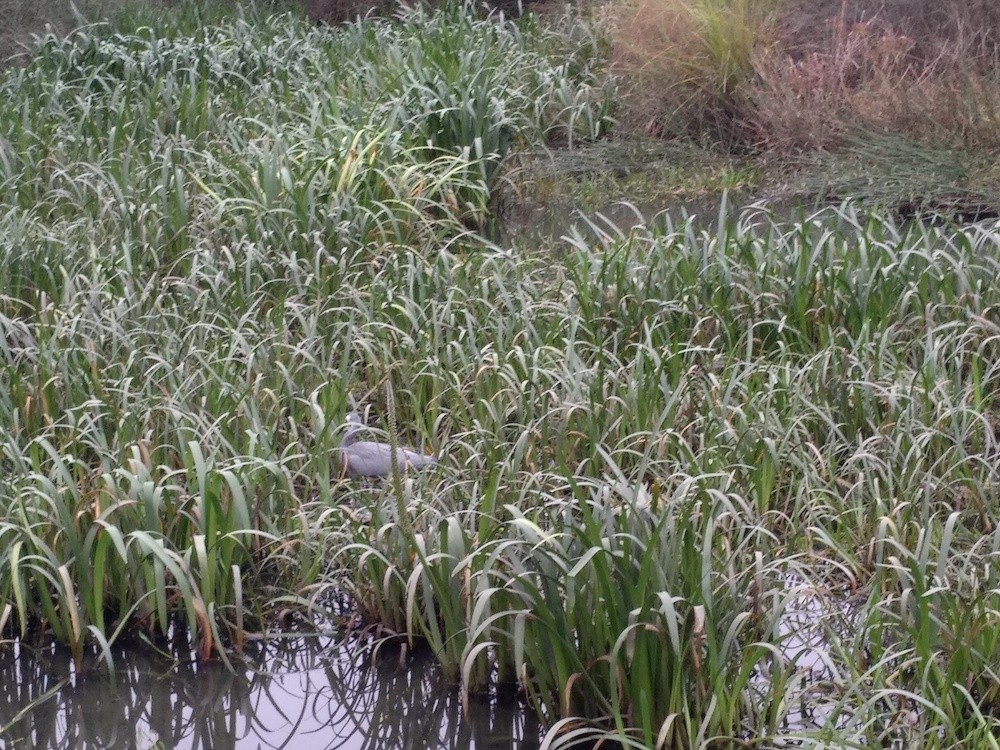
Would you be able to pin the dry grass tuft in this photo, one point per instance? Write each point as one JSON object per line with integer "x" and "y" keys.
{"x": 685, "y": 62}
{"x": 936, "y": 27}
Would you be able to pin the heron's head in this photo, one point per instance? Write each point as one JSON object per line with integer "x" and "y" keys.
{"x": 354, "y": 425}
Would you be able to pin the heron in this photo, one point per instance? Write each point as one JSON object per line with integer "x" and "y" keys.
{"x": 367, "y": 458}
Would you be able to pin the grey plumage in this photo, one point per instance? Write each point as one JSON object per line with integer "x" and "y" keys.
{"x": 367, "y": 458}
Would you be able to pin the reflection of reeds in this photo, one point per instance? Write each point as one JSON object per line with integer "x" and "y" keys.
{"x": 305, "y": 687}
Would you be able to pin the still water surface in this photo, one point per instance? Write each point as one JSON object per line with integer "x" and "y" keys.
{"x": 301, "y": 694}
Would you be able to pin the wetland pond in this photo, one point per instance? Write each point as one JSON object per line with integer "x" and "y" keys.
{"x": 302, "y": 693}
{"x": 315, "y": 692}
{"x": 306, "y": 693}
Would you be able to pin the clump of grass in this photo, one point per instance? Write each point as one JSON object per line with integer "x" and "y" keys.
{"x": 24, "y": 21}
{"x": 887, "y": 68}
{"x": 801, "y": 75}
{"x": 686, "y": 63}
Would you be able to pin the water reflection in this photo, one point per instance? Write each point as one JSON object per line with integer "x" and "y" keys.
{"x": 303, "y": 693}
{"x": 813, "y": 620}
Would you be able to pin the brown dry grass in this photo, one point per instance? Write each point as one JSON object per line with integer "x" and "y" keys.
{"x": 21, "y": 19}
{"x": 801, "y": 75}
{"x": 806, "y": 100}
{"x": 922, "y": 70}
{"x": 935, "y": 27}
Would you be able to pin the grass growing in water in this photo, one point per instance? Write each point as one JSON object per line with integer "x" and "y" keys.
{"x": 653, "y": 442}
{"x": 678, "y": 435}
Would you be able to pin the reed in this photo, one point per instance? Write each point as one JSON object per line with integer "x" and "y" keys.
{"x": 655, "y": 443}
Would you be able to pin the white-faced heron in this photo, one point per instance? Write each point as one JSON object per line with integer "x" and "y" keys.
{"x": 367, "y": 458}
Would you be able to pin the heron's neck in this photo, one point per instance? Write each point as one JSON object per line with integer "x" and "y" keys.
{"x": 351, "y": 435}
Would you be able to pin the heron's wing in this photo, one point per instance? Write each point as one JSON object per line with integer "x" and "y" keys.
{"x": 370, "y": 459}
{"x": 414, "y": 459}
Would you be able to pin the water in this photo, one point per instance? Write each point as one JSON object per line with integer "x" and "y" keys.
{"x": 313, "y": 693}
{"x": 301, "y": 694}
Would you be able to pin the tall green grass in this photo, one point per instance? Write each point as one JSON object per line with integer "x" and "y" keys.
{"x": 185, "y": 216}
{"x": 654, "y": 443}
{"x": 663, "y": 442}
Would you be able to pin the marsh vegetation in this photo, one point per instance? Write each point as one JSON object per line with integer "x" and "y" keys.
{"x": 655, "y": 443}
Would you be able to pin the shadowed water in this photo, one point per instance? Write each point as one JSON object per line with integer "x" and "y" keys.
{"x": 302, "y": 694}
